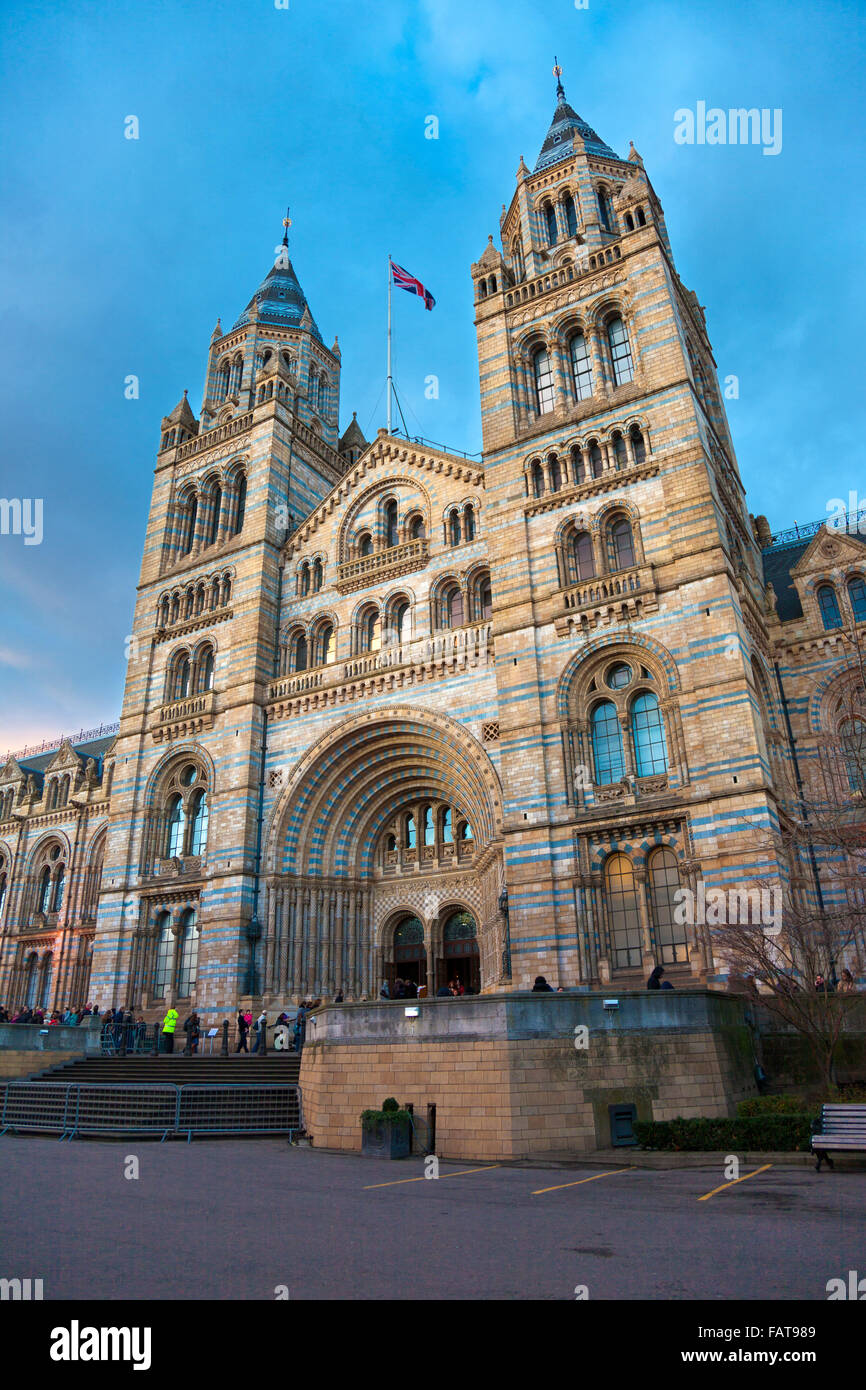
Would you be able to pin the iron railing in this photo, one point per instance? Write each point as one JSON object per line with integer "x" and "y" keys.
{"x": 151, "y": 1107}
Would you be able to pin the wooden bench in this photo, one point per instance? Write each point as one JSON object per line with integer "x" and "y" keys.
{"x": 842, "y": 1127}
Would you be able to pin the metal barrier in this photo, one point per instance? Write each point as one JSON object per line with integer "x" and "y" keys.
{"x": 152, "y": 1107}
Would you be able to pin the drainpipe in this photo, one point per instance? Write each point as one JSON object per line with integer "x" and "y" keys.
{"x": 793, "y": 751}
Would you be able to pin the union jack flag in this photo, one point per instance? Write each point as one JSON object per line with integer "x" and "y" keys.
{"x": 405, "y": 281}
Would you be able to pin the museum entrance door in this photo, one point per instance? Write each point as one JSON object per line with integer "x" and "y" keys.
{"x": 460, "y": 959}
{"x": 409, "y": 960}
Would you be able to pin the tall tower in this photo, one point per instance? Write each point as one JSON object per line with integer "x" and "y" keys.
{"x": 178, "y": 912}
{"x": 624, "y": 563}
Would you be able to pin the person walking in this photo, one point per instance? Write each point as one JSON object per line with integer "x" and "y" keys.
{"x": 655, "y": 979}
{"x": 243, "y": 1029}
{"x": 261, "y": 1023}
{"x": 169, "y": 1023}
{"x": 192, "y": 1028}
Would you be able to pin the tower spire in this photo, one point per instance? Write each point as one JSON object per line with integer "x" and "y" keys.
{"x": 287, "y": 222}
{"x": 557, "y": 72}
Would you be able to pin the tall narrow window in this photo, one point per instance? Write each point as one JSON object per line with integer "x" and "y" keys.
{"x": 578, "y": 470}
{"x": 372, "y": 631}
{"x": 189, "y": 524}
{"x": 3, "y": 881}
{"x": 620, "y": 455}
{"x": 622, "y": 905}
{"x": 485, "y": 600}
{"x": 318, "y": 575}
{"x": 365, "y": 544}
{"x": 582, "y": 558}
{"x": 829, "y": 606}
{"x": 648, "y": 736}
{"x": 454, "y": 528}
{"x": 453, "y": 607}
{"x": 663, "y": 883}
{"x": 305, "y": 579}
{"x": 638, "y": 447}
{"x": 216, "y": 502}
{"x": 401, "y": 622}
{"x": 241, "y": 507}
{"x": 205, "y": 669}
{"x": 392, "y": 537}
{"x": 429, "y": 827}
{"x": 181, "y": 679}
{"x": 188, "y": 962}
{"x": 857, "y": 595}
{"x": 570, "y": 214}
{"x": 603, "y": 209}
{"x": 581, "y": 367}
{"x": 468, "y": 523}
{"x": 620, "y": 545}
{"x": 543, "y": 381}
{"x": 43, "y": 897}
{"x": 554, "y": 473}
{"x": 326, "y": 644}
{"x": 852, "y": 734}
{"x": 164, "y": 955}
{"x": 596, "y": 462}
{"x": 176, "y": 821}
{"x": 537, "y": 479}
{"x": 620, "y": 351}
{"x": 59, "y": 884}
{"x": 550, "y": 221}
{"x": 198, "y": 822}
{"x": 410, "y": 832}
{"x": 300, "y": 652}
{"x": 447, "y": 828}
{"x": 416, "y": 528}
{"x": 607, "y": 748}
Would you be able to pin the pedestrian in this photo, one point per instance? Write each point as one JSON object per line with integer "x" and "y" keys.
{"x": 169, "y": 1023}
{"x": 846, "y": 983}
{"x": 192, "y": 1028}
{"x": 655, "y": 979}
{"x": 541, "y": 986}
{"x": 338, "y": 997}
{"x": 444, "y": 992}
{"x": 261, "y": 1025}
{"x": 385, "y": 991}
{"x": 301, "y": 1027}
{"x": 243, "y": 1029}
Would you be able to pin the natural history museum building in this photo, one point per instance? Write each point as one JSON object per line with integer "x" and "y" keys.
{"x": 393, "y": 711}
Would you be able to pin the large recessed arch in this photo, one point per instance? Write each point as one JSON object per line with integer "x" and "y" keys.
{"x": 352, "y": 781}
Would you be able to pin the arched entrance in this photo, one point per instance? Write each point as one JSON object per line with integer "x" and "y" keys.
{"x": 409, "y": 956}
{"x": 460, "y": 959}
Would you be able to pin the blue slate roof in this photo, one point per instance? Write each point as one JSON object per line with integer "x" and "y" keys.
{"x": 557, "y": 145}
{"x": 281, "y": 301}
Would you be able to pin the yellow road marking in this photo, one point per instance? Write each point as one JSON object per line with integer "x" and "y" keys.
{"x": 754, "y": 1173}
{"x": 423, "y": 1178}
{"x": 611, "y": 1174}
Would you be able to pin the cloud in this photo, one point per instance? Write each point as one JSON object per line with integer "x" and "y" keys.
{"x": 19, "y": 661}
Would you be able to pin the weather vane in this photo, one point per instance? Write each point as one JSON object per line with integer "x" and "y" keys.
{"x": 557, "y": 72}
{"x": 287, "y": 222}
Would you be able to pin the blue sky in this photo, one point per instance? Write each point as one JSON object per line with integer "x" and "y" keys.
{"x": 116, "y": 256}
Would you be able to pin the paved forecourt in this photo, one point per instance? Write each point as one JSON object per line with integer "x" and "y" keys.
{"x": 233, "y": 1220}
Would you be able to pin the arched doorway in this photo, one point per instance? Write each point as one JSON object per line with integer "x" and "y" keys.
{"x": 460, "y": 959}
{"x": 409, "y": 960}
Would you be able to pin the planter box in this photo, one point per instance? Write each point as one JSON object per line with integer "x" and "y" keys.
{"x": 382, "y": 1139}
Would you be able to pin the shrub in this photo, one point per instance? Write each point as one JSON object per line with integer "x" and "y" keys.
{"x": 773, "y": 1105}
{"x": 773, "y": 1133}
{"x": 390, "y": 1104}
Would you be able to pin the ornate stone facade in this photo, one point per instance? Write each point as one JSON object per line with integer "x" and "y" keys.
{"x": 381, "y": 696}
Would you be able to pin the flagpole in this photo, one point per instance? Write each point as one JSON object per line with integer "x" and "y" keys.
{"x": 389, "y": 343}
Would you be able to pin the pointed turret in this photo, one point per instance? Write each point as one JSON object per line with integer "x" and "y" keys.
{"x": 566, "y": 124}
